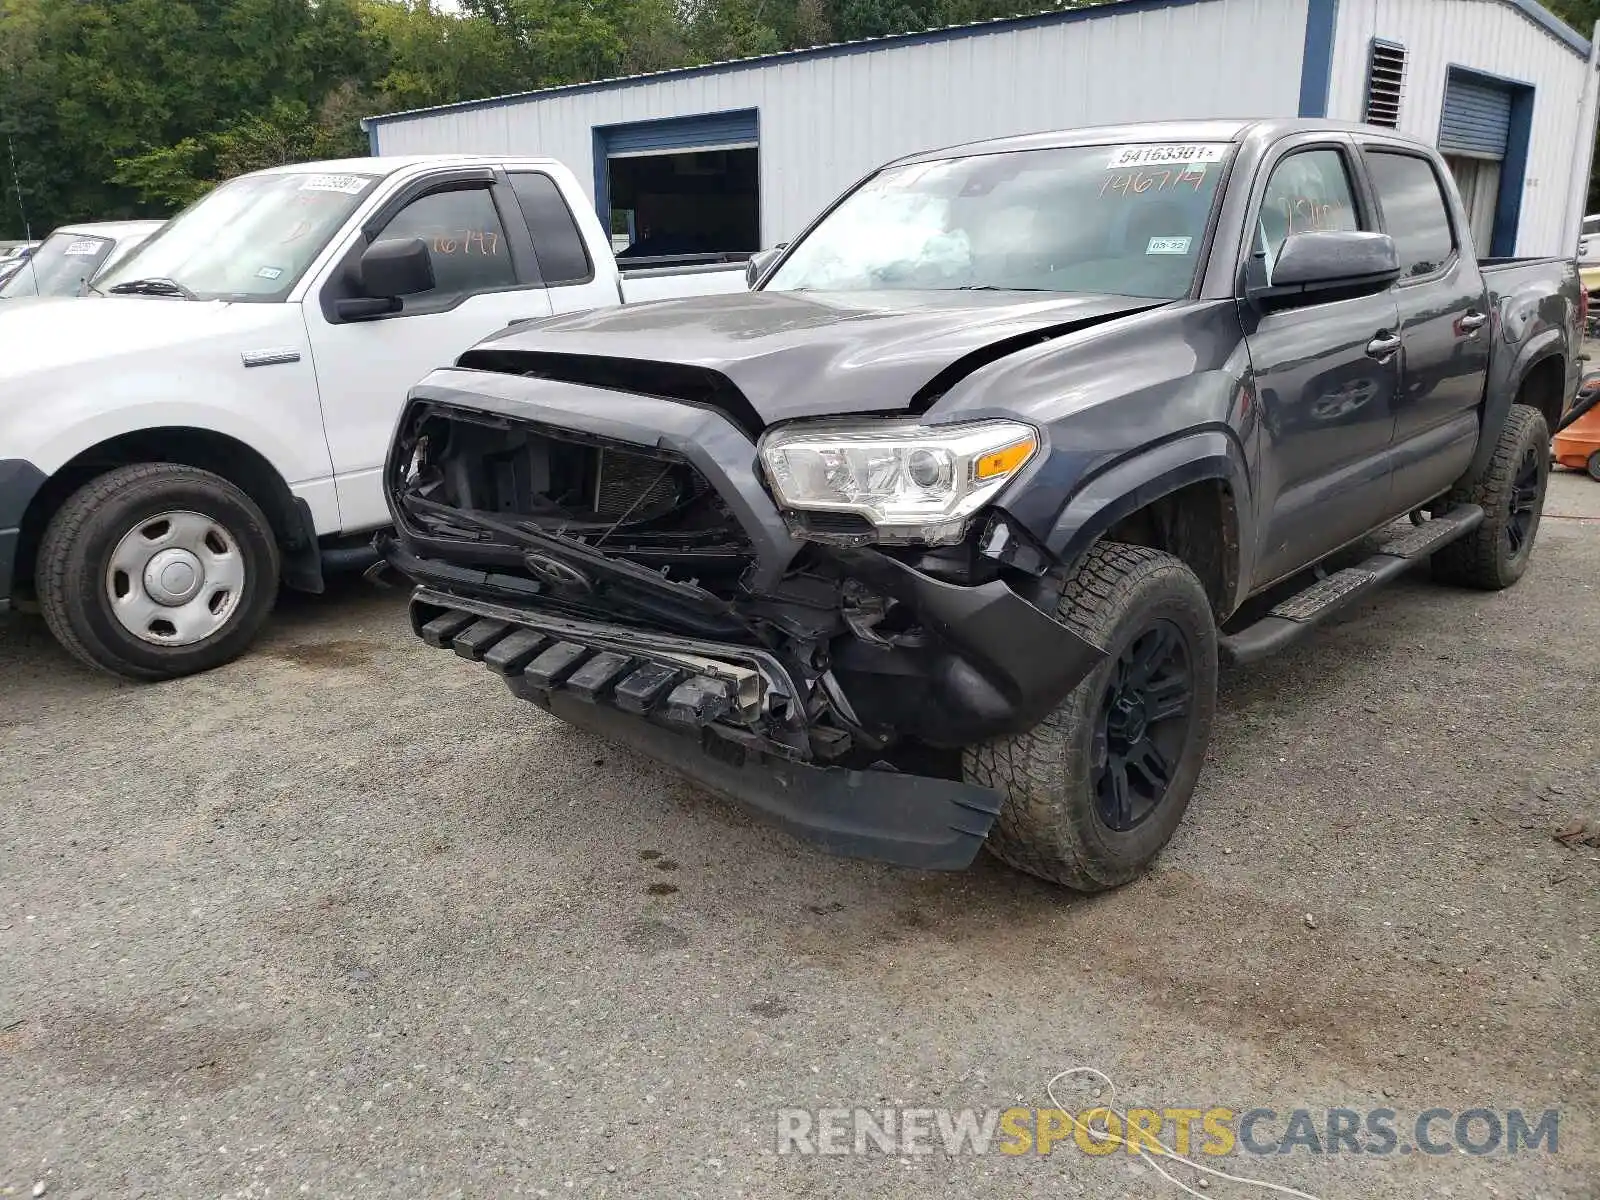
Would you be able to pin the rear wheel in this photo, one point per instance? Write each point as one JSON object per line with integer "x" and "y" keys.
{"x": 1511, "y": 493}
{"x": 1096, "y": 789}
{"x": 1593, "y": 465}
{"x": 157, "y": 570}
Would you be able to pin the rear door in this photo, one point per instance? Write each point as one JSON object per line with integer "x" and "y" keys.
{"x": 1326, "y": 373}
{"x": 1444, "y": 323}
{"x": 486, "y": 276}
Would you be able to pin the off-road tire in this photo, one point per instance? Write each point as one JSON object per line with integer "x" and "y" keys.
{"x": 75, "y": 551}
{"x": 1593, "y": 466}
{"x": 1484, "y": 558}
{"x": 1049, "y": 825}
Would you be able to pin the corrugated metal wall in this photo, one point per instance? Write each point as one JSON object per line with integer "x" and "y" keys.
{"x": 1493, "y": 38}
{"x": 827, "y": 119}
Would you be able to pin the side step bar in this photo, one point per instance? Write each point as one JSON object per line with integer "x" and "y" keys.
{"x": 1293, "y": 618}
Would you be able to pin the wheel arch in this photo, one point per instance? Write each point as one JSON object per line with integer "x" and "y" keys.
{"x": 206, "y": 449}
{"x": 1542, "y": 366}
{"x": 1189, "y": 497}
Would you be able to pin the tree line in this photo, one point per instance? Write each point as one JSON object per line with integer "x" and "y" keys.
{"x": 125, "y": 108}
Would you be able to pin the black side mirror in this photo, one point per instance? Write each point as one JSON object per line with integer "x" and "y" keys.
{"x": 1321, "y": 265}
{"x": 760, "y": 263}
{"x": 387, "y": 271}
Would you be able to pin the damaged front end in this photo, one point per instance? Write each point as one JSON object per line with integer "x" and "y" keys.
{"x": 617, "y": 559}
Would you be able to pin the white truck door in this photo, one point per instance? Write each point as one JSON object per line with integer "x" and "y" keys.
{"x": 485, "y": 276}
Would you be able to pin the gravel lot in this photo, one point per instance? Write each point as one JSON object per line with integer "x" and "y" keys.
{"x": 345, "y": 919}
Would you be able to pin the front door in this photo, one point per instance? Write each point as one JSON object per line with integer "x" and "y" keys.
{"x": 1326, "y": 378}
{"x": 485, "y": 277}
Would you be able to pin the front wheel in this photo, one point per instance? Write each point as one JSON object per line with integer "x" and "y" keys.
{"x": 1096, "y": 789}
{"x": 156, "y": 571}
{"x": 1511, "y": 493}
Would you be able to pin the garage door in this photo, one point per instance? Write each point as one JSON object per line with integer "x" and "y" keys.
{"x": 680, "y": 189}
{"x": 1476, "y": 120}
{"x": 714, "y": 131}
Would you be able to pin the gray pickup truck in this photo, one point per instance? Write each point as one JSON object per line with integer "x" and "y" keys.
{"x": 935, "y": 539}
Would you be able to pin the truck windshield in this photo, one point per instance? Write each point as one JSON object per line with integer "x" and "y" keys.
{"x": 249, "y": 239}
{"x": 61, "y": 266}
{"x": 1126, "y": 220}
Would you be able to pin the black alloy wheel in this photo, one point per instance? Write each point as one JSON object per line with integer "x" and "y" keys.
{"x": 1145, "y": 710}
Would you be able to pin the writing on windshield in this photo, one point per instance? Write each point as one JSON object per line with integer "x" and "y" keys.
{"x": 250, "y": 239}
{"x": 1121, "y": 220}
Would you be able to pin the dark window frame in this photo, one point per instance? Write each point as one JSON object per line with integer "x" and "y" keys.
{"x": 1369, "y": 150}
{"x": 341, "y": 280}
{"x": 1365, "y": 203}
{"x": 534, "y": 234}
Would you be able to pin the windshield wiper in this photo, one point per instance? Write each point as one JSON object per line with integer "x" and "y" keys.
{"x": 153, "y": 287}
{"x": 994, "y": 287}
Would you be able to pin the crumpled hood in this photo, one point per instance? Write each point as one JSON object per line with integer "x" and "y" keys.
{"x": 54, "y": 336}
{"x": 795, "y": 354}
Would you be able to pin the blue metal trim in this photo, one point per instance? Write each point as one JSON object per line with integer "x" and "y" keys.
{"x": 836, "y": 50}
{"x": 1553, "y": 25}
{"x": 1508, "y": 204}
{"x": 1316, "y": 71}
{"x": 602, "y": 179}
{"x": 372, "y": 138}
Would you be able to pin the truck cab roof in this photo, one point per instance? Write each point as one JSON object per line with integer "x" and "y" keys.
{"x": 1150, "y": 131}
{"x": 383, "y": 166}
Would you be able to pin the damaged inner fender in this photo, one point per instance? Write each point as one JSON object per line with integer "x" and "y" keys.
{"x": 631, "y": 557}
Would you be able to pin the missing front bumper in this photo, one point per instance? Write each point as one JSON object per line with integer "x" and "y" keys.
{"x": 714, "y": 716}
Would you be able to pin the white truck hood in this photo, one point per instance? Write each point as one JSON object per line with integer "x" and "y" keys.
{"x": 63, "y": 337}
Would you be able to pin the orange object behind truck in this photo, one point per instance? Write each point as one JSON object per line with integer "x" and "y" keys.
{"x": 1578, "y": 445}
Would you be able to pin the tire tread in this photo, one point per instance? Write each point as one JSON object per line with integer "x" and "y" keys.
{"x": 1039, "y": 829}
{"x": 1477, "y": 560}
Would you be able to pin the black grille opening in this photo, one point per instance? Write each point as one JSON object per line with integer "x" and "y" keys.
{"x": 635, "y": 502}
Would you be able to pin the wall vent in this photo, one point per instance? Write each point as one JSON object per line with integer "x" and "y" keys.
{"x": 1386, "y": 77}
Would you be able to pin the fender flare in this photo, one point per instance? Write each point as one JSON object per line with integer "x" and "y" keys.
{"x": 1548, "y": 344}
{"x": 1103, "y": 499}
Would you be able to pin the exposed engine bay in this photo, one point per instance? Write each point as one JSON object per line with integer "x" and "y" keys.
{"x": 858, "y": 655}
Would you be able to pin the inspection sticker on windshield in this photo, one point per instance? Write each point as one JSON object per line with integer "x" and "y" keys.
{"x": 87, "y": 248}
{"x": 1168, "y": 245}
{"x": 269, "y": 272}
{"x": 1165, "y": 156}
{"x": 350, "y": 185}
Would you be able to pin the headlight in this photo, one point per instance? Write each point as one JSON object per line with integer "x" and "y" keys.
{"x": 914, "y": 483}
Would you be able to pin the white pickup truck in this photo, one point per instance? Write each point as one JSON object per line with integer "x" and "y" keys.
{"x": 215, "y": 418}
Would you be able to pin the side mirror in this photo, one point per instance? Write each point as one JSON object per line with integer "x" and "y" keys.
{"x": 760, "y": 263}
{"x": 399, "y": 267}
{"x": 387, "y": 271}
{"x": 1315, "y": 266}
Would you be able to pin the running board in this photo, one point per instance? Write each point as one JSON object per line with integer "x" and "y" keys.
{"x": 1293, "y": 618}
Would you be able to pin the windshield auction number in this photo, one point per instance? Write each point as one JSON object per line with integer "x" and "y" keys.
{"x": 1136, "y": 183}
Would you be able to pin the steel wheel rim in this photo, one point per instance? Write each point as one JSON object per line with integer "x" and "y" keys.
{"x": 1524, "y": 502}
{"x": 1141, "y": 726}
{"x": 175, "y": 578}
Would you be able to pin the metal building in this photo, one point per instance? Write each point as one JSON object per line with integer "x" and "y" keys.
{"x": 740, "y": 155}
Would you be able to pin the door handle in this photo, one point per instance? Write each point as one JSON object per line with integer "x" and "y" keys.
{"x": 1471, "y": 322}
{"x": 1382, "y": 346}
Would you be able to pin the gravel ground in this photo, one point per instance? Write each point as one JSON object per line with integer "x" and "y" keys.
{"x": 345, "y": 919}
